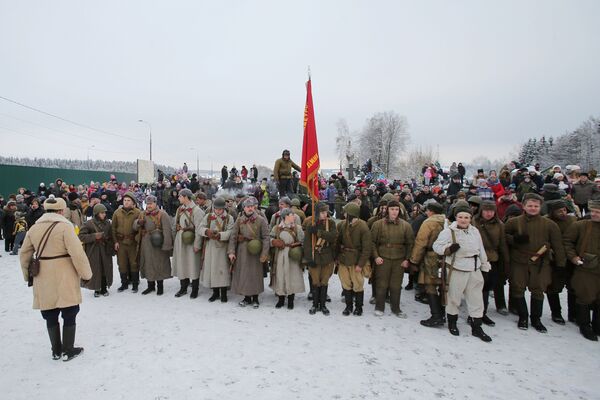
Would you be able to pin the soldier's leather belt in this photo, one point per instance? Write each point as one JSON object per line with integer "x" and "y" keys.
{"x": 348, "y": 249}
{"x": 392, "y": 245}
{"x": 54, "y": 257}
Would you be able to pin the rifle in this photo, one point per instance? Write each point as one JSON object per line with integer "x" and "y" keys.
{"x": 443, "y": 276}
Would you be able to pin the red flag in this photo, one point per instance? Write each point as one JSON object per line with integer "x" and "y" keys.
{"x": 309, "y": 176}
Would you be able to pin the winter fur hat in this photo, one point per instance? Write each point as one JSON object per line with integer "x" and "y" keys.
{"x": 72, "y": 196}
{"x": 285, "y": 200}
{"x": 185, "y": 193}
{"x": 532, "y": 196}
{"x": 554, "y": 205}
{"x": 53, "y": 203}
{"x": 150, "y": 199}
{"x": 488, "y": 205}
{"x": 322, "y": 207}
{"x": 250, "y": 202}
{"x": 285, "y": 212}
{"x": 433, "y": 206}
{"x": 461, "y": 206}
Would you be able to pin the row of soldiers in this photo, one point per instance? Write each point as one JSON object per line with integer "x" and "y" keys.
{"x": 214, "y": 244}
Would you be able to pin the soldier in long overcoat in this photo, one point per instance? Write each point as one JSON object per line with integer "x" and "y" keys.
{"x": 216, "y": 228}
{"x": 247, "y": 279}
{"x": 156, "y": 245}
{"x": 96, "y": 237}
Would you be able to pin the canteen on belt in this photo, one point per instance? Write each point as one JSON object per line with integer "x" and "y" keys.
{"x": 157, "y": 239}
{"x": 296, "y": 253}
{"x": 254, "y": 247}
{"x": 188, "y": 237}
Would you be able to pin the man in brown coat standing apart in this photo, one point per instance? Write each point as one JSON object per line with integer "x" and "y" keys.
{"x": 56, "y": 288}
{"x": 282, "y": 173}
{"x": 126, "y": 239}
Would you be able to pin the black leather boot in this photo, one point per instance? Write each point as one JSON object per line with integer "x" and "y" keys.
{"x": 184, "y": 283}
{"x": 435, "y": 308}
{"x": 584, "y": 322}
{"x": 323, "y": 300}
{"x": 290, "y": 302}
{"x": 555, "y": 308}
{"x": 596, "y": 318}
{"x": 478, "y": 332}
{"x": 452, "y": 319}
{"x": 135, "y": 281}
{"x": 103, "y": 288}
{"x": 280, "y": 301}
{"x": 195, "y": 288}
{"x": 151, "y": 288}
{"x": 521, "y": 306}
{"x": 124, "y": 282}
{"x": 215, "y": 295}
{"x": 358, "y": 303}
{"x": 54, "y": 335}
{"x": 69, "y": 351}
{"x": 536, "y": 315}
{"x": 349, "y": 295}
{"x": 160, "y": 290}
{"x": 223, "y": 295}
{"x": 572, "y": 306}
{"x": 316, "y": 299}
{"x": 485, "y": 319}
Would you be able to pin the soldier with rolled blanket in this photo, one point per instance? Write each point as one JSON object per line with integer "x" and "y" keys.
{"x": 247, "y": 250}
{"x": 96, "y": 237}
{"x": 393, "y": 240}
{"x": 561, "y": 277}
{"x": 532, "y": 239}
{"x": 426, "y": 260}
{"x": 126, "y": 241}
{"x": 156, "y": 245}
{"x": 353, "y": 249}
{"x": 582, "y": 245}
{"x": 187, "y": 244}
{"x": 321, "y": 261}
{"x": 466, "y": 260}
{"x": 216, "y": 228}
{"x": 286, "y": 271}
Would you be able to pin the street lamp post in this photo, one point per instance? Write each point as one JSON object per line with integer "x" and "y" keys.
{"x": 150, "y": 127}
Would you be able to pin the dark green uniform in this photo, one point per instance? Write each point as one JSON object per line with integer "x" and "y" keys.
{"x": 582, "y": 242}
{"x": 393, "y": 242}
{"x": 321, "y": 263}
{"x": 127, "y": 238}
{"x": 530, "y": 266}
{"x": 561, "y": 277}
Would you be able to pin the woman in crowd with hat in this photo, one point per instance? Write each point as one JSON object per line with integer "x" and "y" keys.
{"x": 494, "y": 241}
{"x": 56, "y": 288}
{"x": 156, "y": 245}
{"x": 216, "y": 229}
{"x": 466, "y": 259}
{"x": 187, "y": 246}
{"x": 248, "y": 249}
{"x": 96, "y": 237}
{"x": 286, "y": 272}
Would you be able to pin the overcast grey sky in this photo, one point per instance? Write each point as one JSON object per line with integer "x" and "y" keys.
{"x": 228, "y": 77}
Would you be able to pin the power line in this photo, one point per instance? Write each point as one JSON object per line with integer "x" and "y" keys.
{"x": 62, "y": 143}
{"x": 46, "y": 127}
{"x": 65, "y": 119}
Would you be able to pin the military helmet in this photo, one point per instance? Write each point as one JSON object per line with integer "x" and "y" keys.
{"x": 219, "y": 203}
{"x": 254, "y": 247}
{"x": 352, "y": 209}
{"x": 296, "y": 202}
{"x": 99, "y": 208}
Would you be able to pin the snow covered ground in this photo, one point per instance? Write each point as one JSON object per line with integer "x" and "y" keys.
{"x": 150, "y": 347}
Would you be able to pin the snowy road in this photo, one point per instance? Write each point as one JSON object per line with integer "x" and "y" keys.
{"x": 150, "y": 347}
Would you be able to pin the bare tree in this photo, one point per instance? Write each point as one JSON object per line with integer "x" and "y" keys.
{"x": 344, "y": 143}
{"x": 383, "y": 139}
